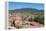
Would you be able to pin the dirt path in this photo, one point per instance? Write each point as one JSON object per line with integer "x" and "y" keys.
{"x": 36, "y": 24}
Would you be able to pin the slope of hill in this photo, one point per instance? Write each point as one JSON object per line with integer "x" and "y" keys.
{"x": 26, "y": 10}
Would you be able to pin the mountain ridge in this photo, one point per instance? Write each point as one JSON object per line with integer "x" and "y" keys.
{"x": 25, "y": 10}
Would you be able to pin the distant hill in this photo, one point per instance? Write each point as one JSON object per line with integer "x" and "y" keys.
{"x": 26, "y": 10}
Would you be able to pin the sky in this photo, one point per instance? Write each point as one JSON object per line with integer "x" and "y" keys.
{"x": 19, "y": 5}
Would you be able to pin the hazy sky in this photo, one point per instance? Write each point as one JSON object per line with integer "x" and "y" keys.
{"x": 18, "y": 5}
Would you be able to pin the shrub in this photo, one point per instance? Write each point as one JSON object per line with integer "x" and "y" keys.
{"x": 39, "y": 19}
